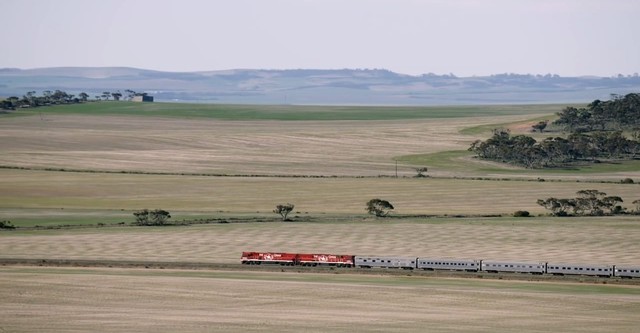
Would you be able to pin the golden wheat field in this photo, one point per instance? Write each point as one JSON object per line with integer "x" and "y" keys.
{"x": 329, "y": 217}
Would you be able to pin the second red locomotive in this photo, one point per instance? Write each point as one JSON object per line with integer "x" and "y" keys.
{"x": 302, "y": 259}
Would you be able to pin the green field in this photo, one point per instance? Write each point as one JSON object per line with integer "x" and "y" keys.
{"x": 292, "y": 112}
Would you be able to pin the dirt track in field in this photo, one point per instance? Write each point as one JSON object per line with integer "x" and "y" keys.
{"x": 116, "y": 300}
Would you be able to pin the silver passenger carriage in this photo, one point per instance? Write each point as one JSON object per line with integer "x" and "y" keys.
{"x": 627, "y": 271}
{"x": 385, "y": 262}
{"x": 513, "y": 267}
{"x": 448, "y": 264}
{"x": 582, "y": 269}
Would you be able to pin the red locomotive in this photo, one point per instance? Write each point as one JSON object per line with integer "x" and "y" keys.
{"x": 305, "y": 259}
{"x": 291, "y": 259}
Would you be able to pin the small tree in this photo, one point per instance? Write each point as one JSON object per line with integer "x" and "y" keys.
{"x": 142, "y": 217}
{"x": 590, "y": 202}
{"x": 558, "y": 207}
{"x": 284, "y": 210}
{"x": 420, "y": 172}
{"x": 379, "y": 207}
{"x": 540, "y": 126}
{"x": 159, "y": 216}
{"x": 83, "y": 96}
{"x": 611, "y": 203}
{"x": 637, "y": 203}
{"x": 155, "y": 217}
{"x": 7, "y": 225}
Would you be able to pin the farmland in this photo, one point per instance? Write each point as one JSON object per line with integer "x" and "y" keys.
{"x": 118, "y": 300}
{"x": 89, "y": 167}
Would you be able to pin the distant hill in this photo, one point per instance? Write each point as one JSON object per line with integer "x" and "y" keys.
{"x": 310, "y": 86}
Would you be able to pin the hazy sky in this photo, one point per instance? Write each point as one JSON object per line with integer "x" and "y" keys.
{"x": 463, "y": 37}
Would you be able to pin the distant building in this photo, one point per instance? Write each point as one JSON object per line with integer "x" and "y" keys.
{"x": 142, "y": 98}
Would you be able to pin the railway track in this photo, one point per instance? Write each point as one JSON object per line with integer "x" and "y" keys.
{"x": 133, "y": 264}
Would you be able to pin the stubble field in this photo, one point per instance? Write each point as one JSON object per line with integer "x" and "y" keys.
{"x": 344, "y": 148}
{"x": 115, "y": 300}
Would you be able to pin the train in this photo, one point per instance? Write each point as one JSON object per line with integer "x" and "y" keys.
{"x": 433, "y": 264}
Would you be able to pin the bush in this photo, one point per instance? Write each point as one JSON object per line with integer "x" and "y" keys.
{"x": 627, "y": 181}
{"x": 420, "y": 172}
{"x": 521, "y": 213}
{"x": 379, "y": 207}
{"x": 7, "y": 225}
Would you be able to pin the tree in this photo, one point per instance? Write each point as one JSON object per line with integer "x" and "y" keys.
{"x": 540, "y": 126}
{"x": 558, "y": 207}
{"x": 130, "y": 94}
{"x": 155, "y": 217}
{"x": 116, "y": 96}
{"x": 420, "y": 172}
{"x": 142, "y": 217}
{"x": 6, "y": 105}
{"x": 611, "y": 203}
{"x": 7, "y": 225}
{"x": 284, "y": 210}
{"x": 590, "y": 201}
{"x": 379, "y": 207}
{"x": 83, "y": 96}
{"x": 637, "y": 203}
{"x": 159, "y": 216}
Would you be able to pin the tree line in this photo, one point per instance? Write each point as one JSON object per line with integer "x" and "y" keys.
{"x": 587, "y": 202}
{"x": 619, "y": 113}
{"x": 602, "y": 130}
{"x": 523, "y": 150}
{"x": 31, "y": 99}
{"x": 160, "y": 217}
